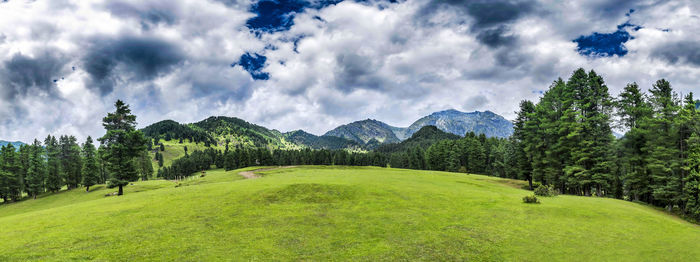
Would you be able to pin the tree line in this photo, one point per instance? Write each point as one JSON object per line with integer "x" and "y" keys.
{"x": 63, "y": 163}
{"x": 241, "y": 157}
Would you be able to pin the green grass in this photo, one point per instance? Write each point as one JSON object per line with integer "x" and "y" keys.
{"x": 175, "y": 150}
{"x": 339, "y": 213}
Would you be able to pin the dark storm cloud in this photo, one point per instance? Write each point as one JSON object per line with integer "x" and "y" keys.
{"x": 494, "y": 13}
{"x": 490, "y": 18}
{"x": 490, "y": 23}
{"x": 684, "y": 52}
{"x": 23, "y": 74}
{"x": 149, "y": 14}
{"x": 612, "y": 9}
{"x": 140, "y": 58}
{"x": 356, "y": 71}
{"x": 476, "y": 102}
{"x": 496, "y": 37}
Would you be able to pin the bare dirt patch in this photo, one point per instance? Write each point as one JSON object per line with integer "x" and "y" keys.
{"x": 252, "y": 175}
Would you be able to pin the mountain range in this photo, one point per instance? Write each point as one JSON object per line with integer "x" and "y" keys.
{"x": 16, "y": 144}
{"x": 364, "y": 134}
{"x": 450, "y": 121}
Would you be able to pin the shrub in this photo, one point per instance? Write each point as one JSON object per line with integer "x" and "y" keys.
{"x": 546, "y": 191}
{"x": 531, "y": 199}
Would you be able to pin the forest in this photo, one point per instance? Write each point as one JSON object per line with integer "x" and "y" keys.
{"x": 565, "y": 140}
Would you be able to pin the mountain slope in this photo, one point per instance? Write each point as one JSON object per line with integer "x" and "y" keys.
{"x": 423, "y": 138}
{"x": 338, "y": 214}
{"x": 364, "y": 131}
{"x": 217, "y": 130}
{"x": 460, "y": 123}
{"x": 301, "y": 137}
{"x": 240, "y": 132}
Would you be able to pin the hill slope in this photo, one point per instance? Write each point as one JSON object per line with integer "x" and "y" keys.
{"x": 459, "y": 123}
{"x": 301, "y": 137}
{"x": 364, "y": 131}
{"x": 338, "y": 213}
{"x": 216, "y": 130}
{"x": 423, "y": 138}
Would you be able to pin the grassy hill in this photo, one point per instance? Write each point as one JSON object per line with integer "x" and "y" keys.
{"x": 338, "y": 213}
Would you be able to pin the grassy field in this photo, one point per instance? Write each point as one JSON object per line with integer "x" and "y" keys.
{"x": 338, "y": 213}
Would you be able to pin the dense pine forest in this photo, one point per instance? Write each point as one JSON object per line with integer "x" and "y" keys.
{"x": 565, "y": 141}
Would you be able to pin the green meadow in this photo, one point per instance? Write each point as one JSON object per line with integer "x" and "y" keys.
{"x": 338, "y": 213}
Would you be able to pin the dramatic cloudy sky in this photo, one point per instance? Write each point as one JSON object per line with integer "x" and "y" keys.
{"x": 293, "y": 64}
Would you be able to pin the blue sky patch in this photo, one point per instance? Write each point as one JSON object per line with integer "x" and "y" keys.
{"x": 606, "y": 44}
{"x": 278, "y": 15}
{"x": 253, "y": 63}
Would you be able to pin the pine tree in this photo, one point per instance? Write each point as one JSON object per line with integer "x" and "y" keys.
{"x": 123, "y": 145}
{"x": 145, "y": 166}
{"x": 71, "y": 164}
{"x": 662, "y": 159}
{"x": 692, "y": 181}
{"x": 24, "y": 156}
{"x": 54, "y": 177}
{"x": 91, "y": 170}
{"x": 160, "y": 160}
{"x": 523, "y": 135}
{"x": 10, "y": 182}
{"x": 36, "y": 174}
{"x": 633, "y": 110}
{"x": 688, "y": 122}
{"x": 600, "y": 135}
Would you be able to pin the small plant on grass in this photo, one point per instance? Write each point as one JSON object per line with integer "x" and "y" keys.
{"x": 531, "y": 199}
{"x": 546, "y": 191}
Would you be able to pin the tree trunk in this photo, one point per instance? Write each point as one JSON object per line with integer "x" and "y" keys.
{"x": 121, "y": 191}
{"x": 529, "y": 180}
{"x": 35, "y": 196}
{"x": 87, "y": 189}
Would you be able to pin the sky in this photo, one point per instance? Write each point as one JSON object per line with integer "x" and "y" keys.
{"x": 314, "y": 65}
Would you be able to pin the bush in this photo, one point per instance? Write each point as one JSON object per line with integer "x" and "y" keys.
{"x": 545, "y": 191}
{"x": 531, "y": 199}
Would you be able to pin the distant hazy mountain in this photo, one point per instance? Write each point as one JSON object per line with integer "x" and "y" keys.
{"x": 16, "y": 144}
{"x": 372, "y": 132}
{"x": 365, "y": 131}
{"x": 459, "y": 123}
